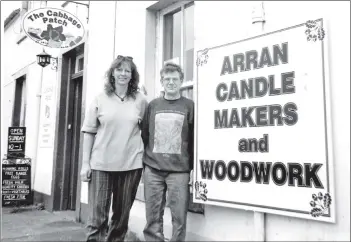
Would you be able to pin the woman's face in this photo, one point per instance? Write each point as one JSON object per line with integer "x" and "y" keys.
{"x": 122, "y": 74}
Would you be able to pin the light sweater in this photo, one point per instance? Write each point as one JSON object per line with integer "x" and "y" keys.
{"x": 118, "y": 145}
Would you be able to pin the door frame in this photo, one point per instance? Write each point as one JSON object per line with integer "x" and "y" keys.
{"x": 71, "y": 145}
{"x": 60, "y": 163}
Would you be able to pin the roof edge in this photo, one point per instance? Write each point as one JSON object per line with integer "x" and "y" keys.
{"x": 12, "y": 16}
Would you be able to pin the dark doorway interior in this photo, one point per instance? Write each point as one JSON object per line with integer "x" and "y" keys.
{"x": 18, "y": 114}
{"x": 72, "y": 148}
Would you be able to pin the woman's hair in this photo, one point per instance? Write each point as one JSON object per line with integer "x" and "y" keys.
{"x": 133, "y": 83}
{"x": 172, "y": 67}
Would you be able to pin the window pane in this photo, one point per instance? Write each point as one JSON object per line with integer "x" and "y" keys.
{"x": 19, "y": 103}
{"x": 167, "y": 37}
{"x": 188, "y": 42}
{"x": 176, "y": 35}
{"x": 80, "y": 64}
{"x": 172, "y": 35}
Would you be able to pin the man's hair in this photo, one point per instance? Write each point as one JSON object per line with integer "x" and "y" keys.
{"x": 172, "y": 67}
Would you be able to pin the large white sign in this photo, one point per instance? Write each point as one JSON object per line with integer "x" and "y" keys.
{"x": 263, "y": 138}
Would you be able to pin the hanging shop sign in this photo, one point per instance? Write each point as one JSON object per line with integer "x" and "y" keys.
{"x": 55, "y": 28}
{"x": 263, "y": 131}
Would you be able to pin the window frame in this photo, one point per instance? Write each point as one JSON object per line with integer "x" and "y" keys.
{"x": 78, "y": 57}
{"x": 196, "y": 208}
{"x": 160, "y": 42}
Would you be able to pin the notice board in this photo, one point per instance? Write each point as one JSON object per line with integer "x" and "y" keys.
{"x": 16, "y": 142}
{"x": 16, "y": 182}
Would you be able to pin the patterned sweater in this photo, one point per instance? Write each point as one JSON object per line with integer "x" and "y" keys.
{"x": 168, "y": 134}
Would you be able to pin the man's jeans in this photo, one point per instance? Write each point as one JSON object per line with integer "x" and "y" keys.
{"x": 156, "y": 183}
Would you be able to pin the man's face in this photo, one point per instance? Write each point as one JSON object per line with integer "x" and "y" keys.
{"x": 171, "y": 83}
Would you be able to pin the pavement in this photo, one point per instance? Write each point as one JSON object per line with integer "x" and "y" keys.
{"x": 32, "y": 224}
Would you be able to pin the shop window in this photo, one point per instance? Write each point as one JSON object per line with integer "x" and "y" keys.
{"x": 178, "y": 42}
{"x": 19, "y": 108}
{"x": 178, "y": 47}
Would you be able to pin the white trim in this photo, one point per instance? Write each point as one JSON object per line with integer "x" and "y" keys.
{"x": 173, "y": 7}
{"x": 81, "y": 56}
{"x": 329, "y": 116}
{"x": 159, "y": 52}
{"x": 182, "y": 36}
{"x": 187, "y": 84}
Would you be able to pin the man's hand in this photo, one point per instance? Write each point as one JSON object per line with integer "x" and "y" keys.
{"x": 85, "y": 173}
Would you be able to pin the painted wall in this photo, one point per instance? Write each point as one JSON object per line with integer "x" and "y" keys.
{"x": 115, "y": 35}
{"x": 46, "y": 135}
{"x": 49, "y": 100}
{"x": 338, "y": 14}
{"x": 21, "y": 59}
{"x": 130, "y": 35}
{"x": 99, "y": 56}
{"x": 230, "y": 21}
{"x": 218, "y": 23}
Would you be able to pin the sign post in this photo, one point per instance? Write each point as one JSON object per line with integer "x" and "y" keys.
{"x": 263, "y": 126}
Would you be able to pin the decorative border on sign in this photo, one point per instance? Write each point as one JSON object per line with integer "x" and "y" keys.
{"x": 320, "y": 204}
{"x": 314, "y": 31}
{"x": 209, "y": 199}
{"x": 201, "y": 191}
{"x": 202, "y": 57}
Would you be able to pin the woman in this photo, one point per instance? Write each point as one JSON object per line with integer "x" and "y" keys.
{"x": 113, "y": 150}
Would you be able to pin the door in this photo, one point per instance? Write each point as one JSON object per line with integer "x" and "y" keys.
{"x": 67, "y": 142}
{"x": 73, "y": 137}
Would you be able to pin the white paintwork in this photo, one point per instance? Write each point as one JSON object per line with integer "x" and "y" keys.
{"x": 217, "y": 23}
{"x": 210, "y": 30}
{"x": 284, "y": 141}
{"x": 100, "y": 55}
{"x": 220, "y": 22}
{"x": 130, "y": 19}
{"x": 20, "y": 60}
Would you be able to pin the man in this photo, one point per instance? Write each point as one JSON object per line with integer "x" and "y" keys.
{"x": 168, "y": 135}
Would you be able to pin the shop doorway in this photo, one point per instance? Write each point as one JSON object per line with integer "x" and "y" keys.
{"x": 67, "y": 145}
{"x": 72, "y": 147}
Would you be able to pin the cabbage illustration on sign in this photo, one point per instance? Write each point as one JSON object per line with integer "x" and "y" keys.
{"x": 51, "y": 27}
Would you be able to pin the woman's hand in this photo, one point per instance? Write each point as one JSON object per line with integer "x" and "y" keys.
{"x": 85, "y": 173}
